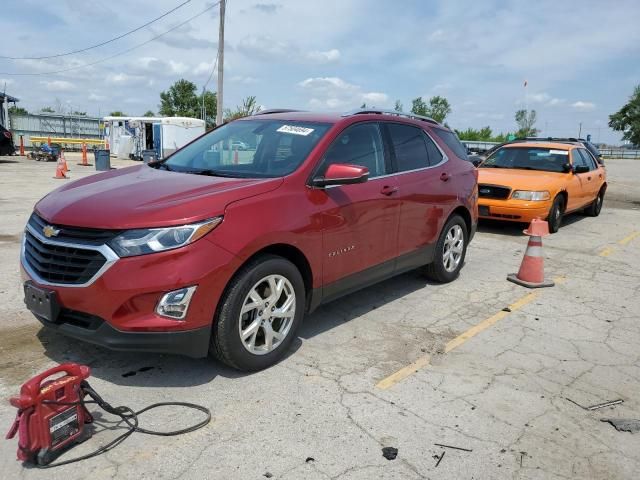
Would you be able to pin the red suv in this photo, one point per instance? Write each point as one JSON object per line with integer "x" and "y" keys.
{"x": 221, "y": 249}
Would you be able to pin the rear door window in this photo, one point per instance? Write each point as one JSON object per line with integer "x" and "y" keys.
{"x": 578, "y": 160}
{"x": 413, "y": 148}
{"x": 452, "y": 141}
{"x": 588, "y": 158}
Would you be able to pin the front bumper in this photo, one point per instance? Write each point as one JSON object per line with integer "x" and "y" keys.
{"x": 191, "y": 343}
{"x": 121, "y": 302}
{"x": 513, "y": 210}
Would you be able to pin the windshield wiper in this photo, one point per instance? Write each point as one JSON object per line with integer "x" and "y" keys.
{"x": 212, "y": 173}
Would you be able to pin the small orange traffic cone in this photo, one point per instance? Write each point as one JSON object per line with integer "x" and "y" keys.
{"x": 84, "y": 156}
{"x": 531, "y": 273}
{"x": 65, "y": 167}
{"x": 235, "y": 156}
{"x": 60, "y": 170}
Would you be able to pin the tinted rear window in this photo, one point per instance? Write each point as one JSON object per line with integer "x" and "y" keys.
{"x": 452, "y": 141}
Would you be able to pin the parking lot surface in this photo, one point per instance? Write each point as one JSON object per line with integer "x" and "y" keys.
{"x": 480, "y": 364}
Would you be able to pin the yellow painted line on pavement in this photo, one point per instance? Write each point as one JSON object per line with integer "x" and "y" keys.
{"x": 403, "y": 373}
{"x": 424, "y": 361}
{"x": 607, "y": 251}
{"x": 629, "y": 238}
{"x": 625, "y": 241}
{"x": 473, "y": 331}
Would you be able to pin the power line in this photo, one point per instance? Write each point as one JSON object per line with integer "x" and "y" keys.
{"x": 54, "y": 72}
{"x": 99, "y": 44}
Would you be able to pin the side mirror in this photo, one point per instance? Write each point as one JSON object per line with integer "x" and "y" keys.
{"x": 342, "y": 174}
{"x": 580, "y": 169}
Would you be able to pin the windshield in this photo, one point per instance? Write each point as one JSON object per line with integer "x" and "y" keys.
{"x": 528, "y": 158}
{"x": 249, "y": 149}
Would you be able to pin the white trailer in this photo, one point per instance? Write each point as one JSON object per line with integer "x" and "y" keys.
{"x": 129, "y": 136}
{"x": 172, "y": 133}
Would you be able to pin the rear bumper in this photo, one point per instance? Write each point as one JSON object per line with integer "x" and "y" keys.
{"x": 191, "y": 343}
{"x": 510, "y": 211}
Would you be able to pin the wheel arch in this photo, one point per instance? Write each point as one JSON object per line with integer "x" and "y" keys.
{"x": 466, "y": 216}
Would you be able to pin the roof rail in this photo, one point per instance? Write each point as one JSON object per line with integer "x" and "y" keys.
{"x": 276, "y": 110}
{"x": 552, "y": 139}
{"x": 364, "y": 111}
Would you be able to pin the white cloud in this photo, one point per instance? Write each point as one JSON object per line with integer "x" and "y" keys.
{"x": 555, "y": 102}
{"x": 583, "y": 106}
{"x": 334, "y": 93}
{"x": 269, "y": 8}
{"x": 6, "y": 81}
{"x": 58, "y": 85}
{"x": 203, "y": 67}
{"x": 244, "y": 80}
{"x": 329, "y": 56}
{"x": 123, "y": 79}
{"x": 269, "y": 48}
{"x": 95, "y": 97}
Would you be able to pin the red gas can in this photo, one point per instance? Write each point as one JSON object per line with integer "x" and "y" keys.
{"x": 51, "y": 416}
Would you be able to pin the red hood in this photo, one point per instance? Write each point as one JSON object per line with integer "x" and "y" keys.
{"x": 141, "y": 196}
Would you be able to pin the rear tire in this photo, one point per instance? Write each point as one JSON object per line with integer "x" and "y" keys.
{"x": 555, "y": 214}
{"x": 253, "y": 328}
{"x": 594, "y": 209}
{"x": 450, "y": 252}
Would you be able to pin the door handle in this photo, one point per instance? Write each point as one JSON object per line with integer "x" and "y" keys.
{"x": 444, "y": 176}
{"x": 388, "y": 190}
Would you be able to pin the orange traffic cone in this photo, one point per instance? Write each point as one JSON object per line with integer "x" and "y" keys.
{"x": 84, "y": 156}
{"x": 235, "y": 156}
{"x": 60, "y": 170}
{"x": 531, "y": 273}
{"x": 65, "y": 167}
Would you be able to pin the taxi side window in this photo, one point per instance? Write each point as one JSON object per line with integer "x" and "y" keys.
{"x": 578, "y": 160}
{"x": 588, "y": 159}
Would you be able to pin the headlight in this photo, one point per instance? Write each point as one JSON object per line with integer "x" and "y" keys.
{"x": 151, "y": 240}
{"x": 529, "y": 195}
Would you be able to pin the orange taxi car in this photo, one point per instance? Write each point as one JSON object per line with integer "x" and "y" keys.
{"x": 526, "y": 180}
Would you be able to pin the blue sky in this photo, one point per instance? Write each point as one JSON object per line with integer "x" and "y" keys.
{"x": 581, "y": 59}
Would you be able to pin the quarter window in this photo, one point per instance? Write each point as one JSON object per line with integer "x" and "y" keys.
{"x": 578, "y": 160}
{"x": 359, "y": 144}
{"x": 452, "y": 141}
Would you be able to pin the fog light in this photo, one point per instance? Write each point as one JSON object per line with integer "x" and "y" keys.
{"x": 175, "y": 304}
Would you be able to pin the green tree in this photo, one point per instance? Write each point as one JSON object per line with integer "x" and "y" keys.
{"x": 149, "y": 113}
{"x": 80, "y": 114}
{"x": 419, "y": 107}
{"x": 210, "y": 106}
{"x": 249, "y": 107}
{"x": 526, "y": 120}
{"x": 117, "y": 113}
{"x": 13, "y": 110}
{"x": 438, "y": 108}
{"x": 180, "y": 100}
{"x": 627, "y": 119}
{"x": 47, "y": 110}
{"x": 398, "y": 106}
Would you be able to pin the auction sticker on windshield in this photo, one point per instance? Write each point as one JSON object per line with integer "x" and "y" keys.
{"x": 295, "y": 130}
{"x": 558, "y": 152}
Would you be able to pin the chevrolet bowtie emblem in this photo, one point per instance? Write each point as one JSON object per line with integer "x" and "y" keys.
{"x": 50, "y": 231}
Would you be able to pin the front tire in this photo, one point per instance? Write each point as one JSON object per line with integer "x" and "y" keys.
{"x": 451, "y": 249}
{"x": 555, "y": 214}
{"x": 259, "y": 314}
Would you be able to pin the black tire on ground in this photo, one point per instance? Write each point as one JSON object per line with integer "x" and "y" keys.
{"x": 593, "y": 210}
{"x": 555, "y": 214}
{"x": 436, "y": 270}
{"x": 226, "y": 344}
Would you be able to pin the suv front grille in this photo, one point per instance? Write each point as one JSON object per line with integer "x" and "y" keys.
{"x": 493, "y": 191}
{"x": 90, "y": 236}
{"x": 60, "y": 264}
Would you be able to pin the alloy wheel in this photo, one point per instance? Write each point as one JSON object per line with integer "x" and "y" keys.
{"x": 453, "y": 248}
{"x": 267, "y": 314}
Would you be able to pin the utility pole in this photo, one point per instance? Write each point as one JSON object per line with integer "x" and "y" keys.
{"x": 220, "y": 63}
{"x": 580, "y": 130}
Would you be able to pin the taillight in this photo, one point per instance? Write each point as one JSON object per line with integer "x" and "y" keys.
{"x": 7, "y": 133}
